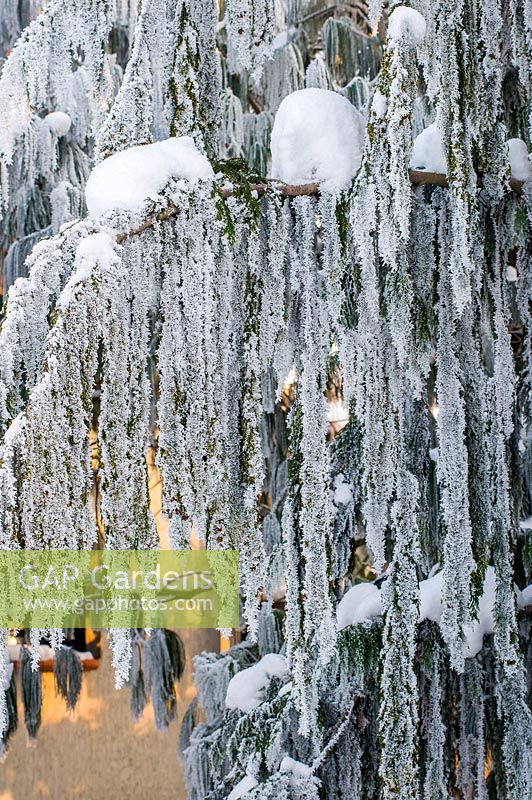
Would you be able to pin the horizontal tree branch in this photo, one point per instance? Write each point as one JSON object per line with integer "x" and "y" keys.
{"x": 417, "y": 178}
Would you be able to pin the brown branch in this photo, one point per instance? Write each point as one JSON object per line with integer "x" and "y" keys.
{"x": 256, "y": 103}
{"x": 306, "y": 189}
{"x": 516, "y": 186}
{"x": 417, "y": 178}
{"x": 171, "y": 211}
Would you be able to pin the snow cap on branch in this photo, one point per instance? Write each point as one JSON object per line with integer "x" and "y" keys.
{"x": 362, "y": 602}
{"x": 317, "y": 137}
{"x": 126, "y": 179}
{"x": 246, "y": 688}
{"x": 59, "y": 122}
{"x": 520, "y": 166}
{"x": 409, "y": 23}
{"x": 244, "y": 786}
{"x": 428, "y": 152}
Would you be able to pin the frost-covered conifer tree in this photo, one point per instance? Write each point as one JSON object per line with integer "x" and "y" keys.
{"x": 298, "y": 266}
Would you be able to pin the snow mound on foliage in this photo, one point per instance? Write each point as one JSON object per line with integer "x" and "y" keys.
{"x": 407, "y": 22}
{"x": 58, "y": 122}
{"x": 343, "y": 491}
{"x": 428, "y": 152}
{"x": 126, "y": 179}
{"x": 244, "y": 786}
{"x": 520, "y": 165}
{"x": 379, "y": 105}
{"x": 317, "y": 137}
{"x": 98, "y": 248}
{"x": 299, "y": 773}
{"x": 485, "y": 624}
{"x": 511, "y": 274}
{"x": 362, "y": 602}
{"x": 246, "y": 689}
{"x": 430, "y": 598}
{"x": 296, "y": 768}
{"x": 525, "y": 597}
{"x": 431, "y": 608}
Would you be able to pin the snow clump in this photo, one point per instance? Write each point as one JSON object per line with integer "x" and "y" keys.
{"x": 428, "y": 153}
{"x": 98, "y": 248}
{"x": 485, "y": 624}
{"x": 431, "y": 608}
{"x": 520, "y": 165}
{"x": 379, "y": 105}
{"x": 343, "y": 491}
{"x": 407, "y": 22}
{"x": 246, "y": 689}
{"x": 244, "y": 786}
{"x": 317, "y": 137}
{"x": 58, "y": 122}
{"x": 524, "y": 598}
{"x": 297, "y": 771}
{"x": 361, "y": 603}
{"x": 430, "y": 598}
{"x": 126, "y": 179}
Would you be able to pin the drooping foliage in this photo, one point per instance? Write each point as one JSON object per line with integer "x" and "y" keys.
{"x": 220, "y": 324}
